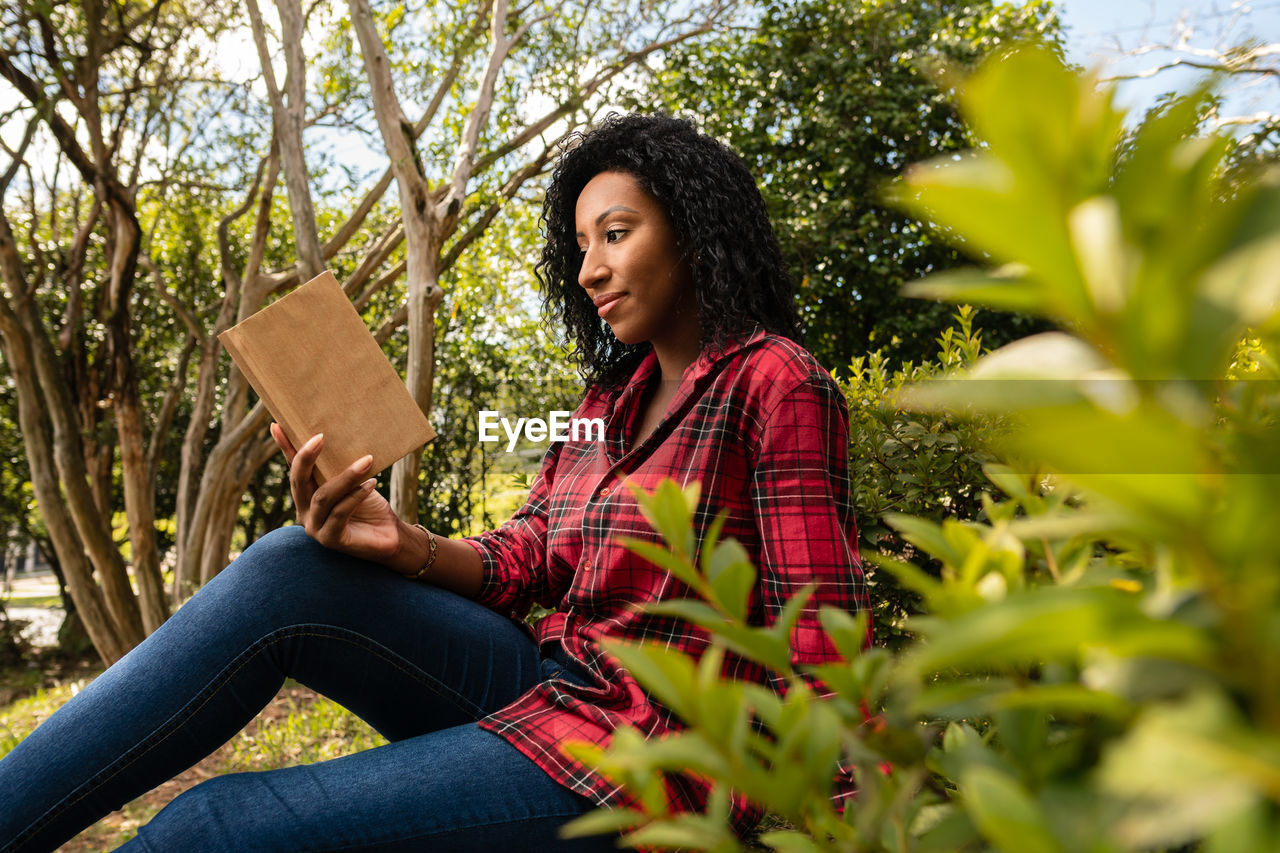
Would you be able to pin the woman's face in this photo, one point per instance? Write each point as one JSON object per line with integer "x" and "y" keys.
{"x": 632, "y": 264}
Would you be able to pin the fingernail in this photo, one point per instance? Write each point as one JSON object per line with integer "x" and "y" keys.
{"x": 368, "y": 485}
{"x": 314, "y": 441}
{"x": 364, "y": 462}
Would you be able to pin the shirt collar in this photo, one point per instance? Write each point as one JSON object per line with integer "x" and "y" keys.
{"x": 623, "y": 413}
{"x": 701, "y": 366}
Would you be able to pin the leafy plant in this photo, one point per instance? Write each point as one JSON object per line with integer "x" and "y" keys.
{"x": 926, "y": 464}
{"x": 1096, "y": 666}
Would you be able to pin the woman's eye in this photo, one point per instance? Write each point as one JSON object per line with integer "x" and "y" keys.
{"x": 613, "y": 235}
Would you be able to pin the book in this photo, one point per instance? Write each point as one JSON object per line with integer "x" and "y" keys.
{"x": 317, "y": 368}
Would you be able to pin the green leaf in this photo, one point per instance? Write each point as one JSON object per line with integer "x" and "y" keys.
{"x": 927, "y": 536}
{"x": 667, "y": 674}
{"x": 688, "y": 831}
{"x": 690, "y": 610}
{"x": 789, "y": 841}
{"x": 847, "y": 632}
{"x": 758, "y": 644}
{"x": 1003, "y": 292}
{"x": 970, "y": 699}
{"x": 732, "y": 577}
{"x": 670, "y": 510}
{"x": 677, "y": 565}
{"x": 1005, "y": 813}
{"x": 1051, "y": 624}
{"x": 790, "y": 614}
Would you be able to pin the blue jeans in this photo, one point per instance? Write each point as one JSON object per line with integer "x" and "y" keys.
{"x": 420, "y": 664}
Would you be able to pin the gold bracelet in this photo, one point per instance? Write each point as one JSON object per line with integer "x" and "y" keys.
{"x": 431, "y": 555}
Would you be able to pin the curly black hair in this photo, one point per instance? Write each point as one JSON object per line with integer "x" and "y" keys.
{"x": 717, "y": 212}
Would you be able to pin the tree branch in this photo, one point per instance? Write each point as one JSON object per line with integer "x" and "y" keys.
{"x": 185, "y": 314}
{"x": 173, "y": 393}
{"x": 464, "y": 163}
{"x": 18, "y": 154}
{"x": 455, "y": 68}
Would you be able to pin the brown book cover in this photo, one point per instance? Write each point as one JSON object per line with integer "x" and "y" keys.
{"x": 317, "y": 368}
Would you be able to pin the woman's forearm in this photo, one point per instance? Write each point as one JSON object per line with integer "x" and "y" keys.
{"x": 457, "y": 566}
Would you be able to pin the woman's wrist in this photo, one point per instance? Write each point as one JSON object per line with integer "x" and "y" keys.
{"x": 414, "y": 549}
{"x": 431, "y": 554}
{"x": 456, "y": 566}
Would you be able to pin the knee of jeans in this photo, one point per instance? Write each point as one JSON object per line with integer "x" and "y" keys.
{"x": 206, "y": 817}
{"x": 267, "y": 570}
{"x": 276, "y": 555}
{"x": 282, "y": 540}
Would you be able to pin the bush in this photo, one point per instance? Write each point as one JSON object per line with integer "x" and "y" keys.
{"x": 925, "y": 464}
{"x": 1097, "y": 666}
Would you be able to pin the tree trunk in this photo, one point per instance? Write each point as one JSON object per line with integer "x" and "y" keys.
{"x": 139, "y": 491}
{"x": 422, "y": 242}
{"x": 37, "y": 439}
{"x": 288, "y": 120}
{"x": 424, "y": 297}
{"x": 194, "y": 501}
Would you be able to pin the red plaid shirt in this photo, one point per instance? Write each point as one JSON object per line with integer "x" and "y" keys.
{"x": 764, "y": 429}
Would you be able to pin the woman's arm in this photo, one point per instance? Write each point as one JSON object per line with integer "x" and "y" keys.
{"x": 804, "y": 512}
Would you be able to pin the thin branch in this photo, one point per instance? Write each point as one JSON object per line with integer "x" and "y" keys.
{"x": 188, "y": 318}
{"x": 17, "y": 155}
{"x": 372, "y": 260}
{"x": 505, "y": 194}
{"x": 460, "y": 54}
{"x": 392, "y": 324}
{"x": 353, "y": 223}
{"x": 224, "y": 224}
{"x": 464, "y": 164}
{"x": 1220, "y": 67}
{"x": 164, "y": 420}
{"x": 384, "y": 281}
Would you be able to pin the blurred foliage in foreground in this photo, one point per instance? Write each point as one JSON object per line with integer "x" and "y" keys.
{"x": 1097, "y": 666}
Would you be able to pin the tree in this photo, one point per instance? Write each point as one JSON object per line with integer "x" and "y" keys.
{"x": 827, "y": 100}
{"x": 141, "y": 217}
{"x": 101, "y": 84}
{"x": 1246, "y": 69}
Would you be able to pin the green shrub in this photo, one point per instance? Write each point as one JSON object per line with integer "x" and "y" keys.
{"x": 926, "y": 464}
{"x": 1097, "y": 663}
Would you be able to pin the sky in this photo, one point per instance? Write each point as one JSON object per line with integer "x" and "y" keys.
{"x": 1108, "y": 32}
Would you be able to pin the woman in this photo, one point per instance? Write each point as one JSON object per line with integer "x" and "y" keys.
{"x": 661, "y": 263}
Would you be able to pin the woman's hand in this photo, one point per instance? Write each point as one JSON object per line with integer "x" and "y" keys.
{"x": 346, "y": 513}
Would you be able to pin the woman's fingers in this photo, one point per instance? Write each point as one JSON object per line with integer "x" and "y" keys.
{"x": 331, "y": 531}
{"x": 325, "y": 499}
{"x": 282, "y": 441}
{"x": 302, "y": 481}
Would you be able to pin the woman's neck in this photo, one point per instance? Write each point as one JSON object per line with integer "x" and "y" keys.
{"x": 674, "y": 360}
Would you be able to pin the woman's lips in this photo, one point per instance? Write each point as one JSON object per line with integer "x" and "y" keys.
{"x": 605, "y": 302}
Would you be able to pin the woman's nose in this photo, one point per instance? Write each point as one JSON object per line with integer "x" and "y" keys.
{"x": 592, "y": 271}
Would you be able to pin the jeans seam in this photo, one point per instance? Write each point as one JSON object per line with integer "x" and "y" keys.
{"x": 206, "y": 694}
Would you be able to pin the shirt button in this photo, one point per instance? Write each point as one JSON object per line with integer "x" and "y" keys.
{"x": 586, "y": 564}
{"x": 604, "y": 493}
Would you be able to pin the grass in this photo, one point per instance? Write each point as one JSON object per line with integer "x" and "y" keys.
{"x": 297, "y": 727}
{"x": 34, "y": 601}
